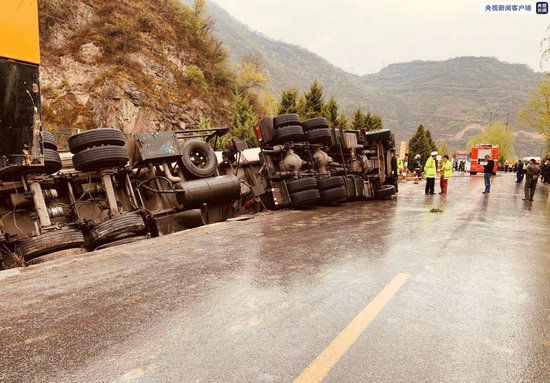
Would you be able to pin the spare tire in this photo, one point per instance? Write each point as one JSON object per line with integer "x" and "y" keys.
{"x": 199, "y": 159}
{"x": 338, "y": 194}
{"x": 30, "y": 248}
{"x": 92, "y": 159}
{"x": 384, "y": 191}
{"x": 319, "y": 136}
{"x": 288, "y": 133}
{"x": 331, "y": 182}
{"x": 301, "y": 184}
{"x": 52, "y": 161}
{"x": 305, "y": 197}
{"x": 379, "y": 135}
{"x": 286, "y": 120}
{"x": 48, "y": 140}
{"x": 114, "y": 227}
{"x": 96, "y": 137}
{"x": 315, "y": 123}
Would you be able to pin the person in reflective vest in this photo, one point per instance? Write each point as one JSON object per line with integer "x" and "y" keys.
{"x": 446, "y": 172}
{"x": 430, "y": 168}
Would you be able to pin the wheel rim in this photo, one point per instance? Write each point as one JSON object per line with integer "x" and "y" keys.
{"x": 199, "y": 158}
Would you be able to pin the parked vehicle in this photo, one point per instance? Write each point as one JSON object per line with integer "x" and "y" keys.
{"x": 477, "y": 157}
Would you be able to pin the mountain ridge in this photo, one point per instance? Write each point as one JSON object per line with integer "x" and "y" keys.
{"x": 446, "y": 95}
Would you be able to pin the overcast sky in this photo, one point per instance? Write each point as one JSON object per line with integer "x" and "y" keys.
{"x": 363, "y": 36}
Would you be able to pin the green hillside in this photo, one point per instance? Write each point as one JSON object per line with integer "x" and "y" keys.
{"x": 446, "y": 95}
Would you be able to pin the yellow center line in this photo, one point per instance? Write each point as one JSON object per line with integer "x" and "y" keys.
{"x": 320, "y": 367}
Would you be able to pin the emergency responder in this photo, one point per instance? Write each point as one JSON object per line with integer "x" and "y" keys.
{"x": 519, "y": 172}
{"x": 488, "y": 170}
{"x": 417, "y": 166}
{"x": 431, "y": 172}
{"x": 531, "y": 178}
{"x": 446, "y": 172}
{"x": 506, "y": 166}
{"x": 395, "y": 172}
{"x": 399, "y": 165}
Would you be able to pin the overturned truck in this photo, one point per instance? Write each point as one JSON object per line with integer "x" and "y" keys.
{"x": 308, "y": 163}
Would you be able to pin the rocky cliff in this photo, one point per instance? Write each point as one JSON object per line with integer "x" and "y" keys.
{"x": 133, "y": 65}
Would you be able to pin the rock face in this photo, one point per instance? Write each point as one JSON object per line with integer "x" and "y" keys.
{"x": 125, "y": 65}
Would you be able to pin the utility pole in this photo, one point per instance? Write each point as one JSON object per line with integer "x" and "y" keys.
{"x": 490, "y": 119}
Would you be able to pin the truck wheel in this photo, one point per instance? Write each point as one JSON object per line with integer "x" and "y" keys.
{"x": 92, "y": 159}
{"x": 315, "y": 123}
{"x": 199, "y": 159}
{"x": 319, "y": 136}
{"x": 337, "y": 194}
{"x": 286, "y": 120}
{"x": 306, "y": 197}
{"x": 351, "y": 189}
{"x": 30, "y": 248}
{"x": 384, "y": 134}
{"x": 52, "y": 161}
{"x": 384, "y": 191}
{"x": 114, "y": 227}
{"x": 301, "y": 184}
{"x": 48, "y": 140}
{"x": 331, "y": 182}
{"x": 96, "y": 137}
{"x": 288, "y": 133}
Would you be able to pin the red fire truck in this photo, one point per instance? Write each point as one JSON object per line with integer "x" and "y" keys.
{"x": 477, "y": 157}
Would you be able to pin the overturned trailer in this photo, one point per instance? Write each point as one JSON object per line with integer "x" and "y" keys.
{"x": 307, "y": 163}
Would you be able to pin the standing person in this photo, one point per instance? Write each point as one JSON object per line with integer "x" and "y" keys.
{"x": 519, "y": 172}
{"x": 545, "y": 170}
{"x": 395, "y": 171}
{"x": 487, "y": 173}
{"x": 446, "y": 172}
{"x": 506, "y": 166}
{"x": 399, "y": 165}
{"x": 531, "y": 177}
{"x": 431, "y": 172}
{"x": 417, "y": 166}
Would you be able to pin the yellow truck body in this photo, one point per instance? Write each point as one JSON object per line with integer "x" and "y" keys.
{"x": 19, "y": 38}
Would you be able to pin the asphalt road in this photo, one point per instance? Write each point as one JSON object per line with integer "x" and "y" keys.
{"x": 365, "y": 292}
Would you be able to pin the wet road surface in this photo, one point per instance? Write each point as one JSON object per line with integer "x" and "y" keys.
{"x": 403, "y": 294}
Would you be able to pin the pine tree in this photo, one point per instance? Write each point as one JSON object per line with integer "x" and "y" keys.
{"x": 330, "y": 112}
{"x": 359, "y": 120}
{"x": 313, "y": 102}
{"x": 243, "y": 120}
{"x": 289, "y": 102}
{"x": 419, "y": 145}
{"x": 373, "y": 122}
{"x": 431, "y": 142}
{"x": 342, "y": 122}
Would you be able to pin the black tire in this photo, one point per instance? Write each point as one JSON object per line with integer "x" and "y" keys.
{"x": 315, "y": 123}
{"x": 199, "y": 159}
{"x": 301, "y": 184}
{"x": 360, "y": 187}
{"x": 385, "y": 191}
{"x": 338, "y": 194}
{"x": 384, "y": 134}
{"x": 319, "y": 136}
{"x": 30, "y": 248}
{"x": 114, "y": 227}
{"x": 286, "y": 120}
{"x": 48, "y": 140}
{"x": 99, "y": 157}
{"x": 351, "y": 189}
{"x": 52, "y": 161}
{"x": 96, "y": 137}
{"x": 331, "y": 182}
{"x": 473, "y": 173}
{"x": 288, "y": 134}
{"x": 305, "y": 197}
